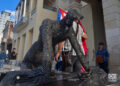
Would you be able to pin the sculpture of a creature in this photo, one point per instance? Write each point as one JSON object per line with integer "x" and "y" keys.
{"x": 41, "y": 54}
{"x": 51, "y": 33}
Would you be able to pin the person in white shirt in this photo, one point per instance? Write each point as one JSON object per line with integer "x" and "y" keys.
{"x": 79, "y": 34}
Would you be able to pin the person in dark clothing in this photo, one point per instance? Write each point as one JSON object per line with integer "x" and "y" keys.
{"x": 13, "y": 58}
{"x": 13, "y": 54}
{"x": 102, "y": 54}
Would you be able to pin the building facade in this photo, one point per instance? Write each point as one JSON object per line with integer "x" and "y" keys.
{"x": 7, "y": 38}
{"x": 4, "y": 16}
{"x": 101, "y": 22}
{"x": 29, "y": 15}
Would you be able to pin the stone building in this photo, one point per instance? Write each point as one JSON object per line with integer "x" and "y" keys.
{"x": 4, "y": 16}
{"x": 101, "y": 22}
{"x": 29, "y": 15}
{"x": 7, "y": 38}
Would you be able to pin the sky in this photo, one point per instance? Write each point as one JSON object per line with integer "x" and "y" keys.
{"x": 9, "y": 5}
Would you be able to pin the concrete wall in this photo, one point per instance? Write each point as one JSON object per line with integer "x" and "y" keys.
{"x": 111, "y": 10}
{"x": 98, "y": 22}
{"x": 87, "y": 22}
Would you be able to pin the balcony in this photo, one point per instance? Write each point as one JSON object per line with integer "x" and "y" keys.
{"x": 21, "y": 24}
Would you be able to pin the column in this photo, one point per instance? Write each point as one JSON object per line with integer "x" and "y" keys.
{"x": 24, "y": 11}
{"x": 18, "y": 13}
{"x": 26, "y": 43}
{"x": 17, "y": 46}
{"x": 23, "y": 46}
{"x": 111, "y": 9}
{"x": 21, "y": 7}
{"x": 16, "y": 16}
{"x": 20, "y": 50}
{"x": 30, "y": 8}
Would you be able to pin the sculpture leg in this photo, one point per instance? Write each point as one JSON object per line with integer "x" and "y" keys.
{"x": 78, "y": 50}
{"x": 47, "y": 47}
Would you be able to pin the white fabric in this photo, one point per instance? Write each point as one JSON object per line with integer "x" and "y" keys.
{"x": 79, "y": 35}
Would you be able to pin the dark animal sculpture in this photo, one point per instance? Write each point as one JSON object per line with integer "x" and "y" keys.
{"x": 40, "y": 56}
{"x": 51, "y": 33}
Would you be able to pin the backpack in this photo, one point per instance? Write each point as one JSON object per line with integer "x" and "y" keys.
{"x": 99, "y": 59}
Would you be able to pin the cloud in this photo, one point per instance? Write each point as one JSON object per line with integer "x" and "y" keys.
{"x": 12, "y": 14}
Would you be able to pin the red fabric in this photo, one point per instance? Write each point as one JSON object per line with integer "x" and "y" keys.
{"x": 62, "y": 12}
{"x": 83, "y": 41}
{"x": 82, "y": 69}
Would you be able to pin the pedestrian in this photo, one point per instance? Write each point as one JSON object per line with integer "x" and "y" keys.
{"x": 7, "y": 58}
{"x": 2, "y": 58}
{"x": 102, "y": 57}
{"x": 80, "y": 34}
{"x": 13, "y": 57}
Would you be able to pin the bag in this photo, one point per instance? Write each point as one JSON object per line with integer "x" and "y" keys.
{"x": 67, "y": 59}
{"x": 99, "y": 59}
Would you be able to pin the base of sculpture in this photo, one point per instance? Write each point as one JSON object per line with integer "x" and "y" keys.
{"x": 37, "y": 78}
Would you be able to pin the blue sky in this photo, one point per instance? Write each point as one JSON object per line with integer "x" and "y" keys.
{"x": 8, "y": 4}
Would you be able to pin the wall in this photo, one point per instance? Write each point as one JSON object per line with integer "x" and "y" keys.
{"x": 41, "y": 14}
{"x": 111, "y": 10}
{"x": 98, "y": 22}
{"x": 87, "y": 22}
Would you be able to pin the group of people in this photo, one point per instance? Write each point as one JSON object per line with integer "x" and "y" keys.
{"x": 6, "y": 56}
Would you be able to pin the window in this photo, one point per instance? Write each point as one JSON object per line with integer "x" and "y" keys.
{"x": 50, "y": 4}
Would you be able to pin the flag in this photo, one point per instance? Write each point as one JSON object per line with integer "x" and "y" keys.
{"x": 61, "y": 14}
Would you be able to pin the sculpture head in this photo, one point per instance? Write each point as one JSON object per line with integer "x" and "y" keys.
{"x": 71, "y": 15}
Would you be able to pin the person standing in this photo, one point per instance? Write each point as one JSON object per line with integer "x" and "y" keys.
{"x": 79, "y": 34}
{"x": 2, "y": 58}
{"x": 13, "y": 57}
{"x": 102, "y": 57}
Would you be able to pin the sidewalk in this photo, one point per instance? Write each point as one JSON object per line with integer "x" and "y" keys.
{"x": 8, "y": 68}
